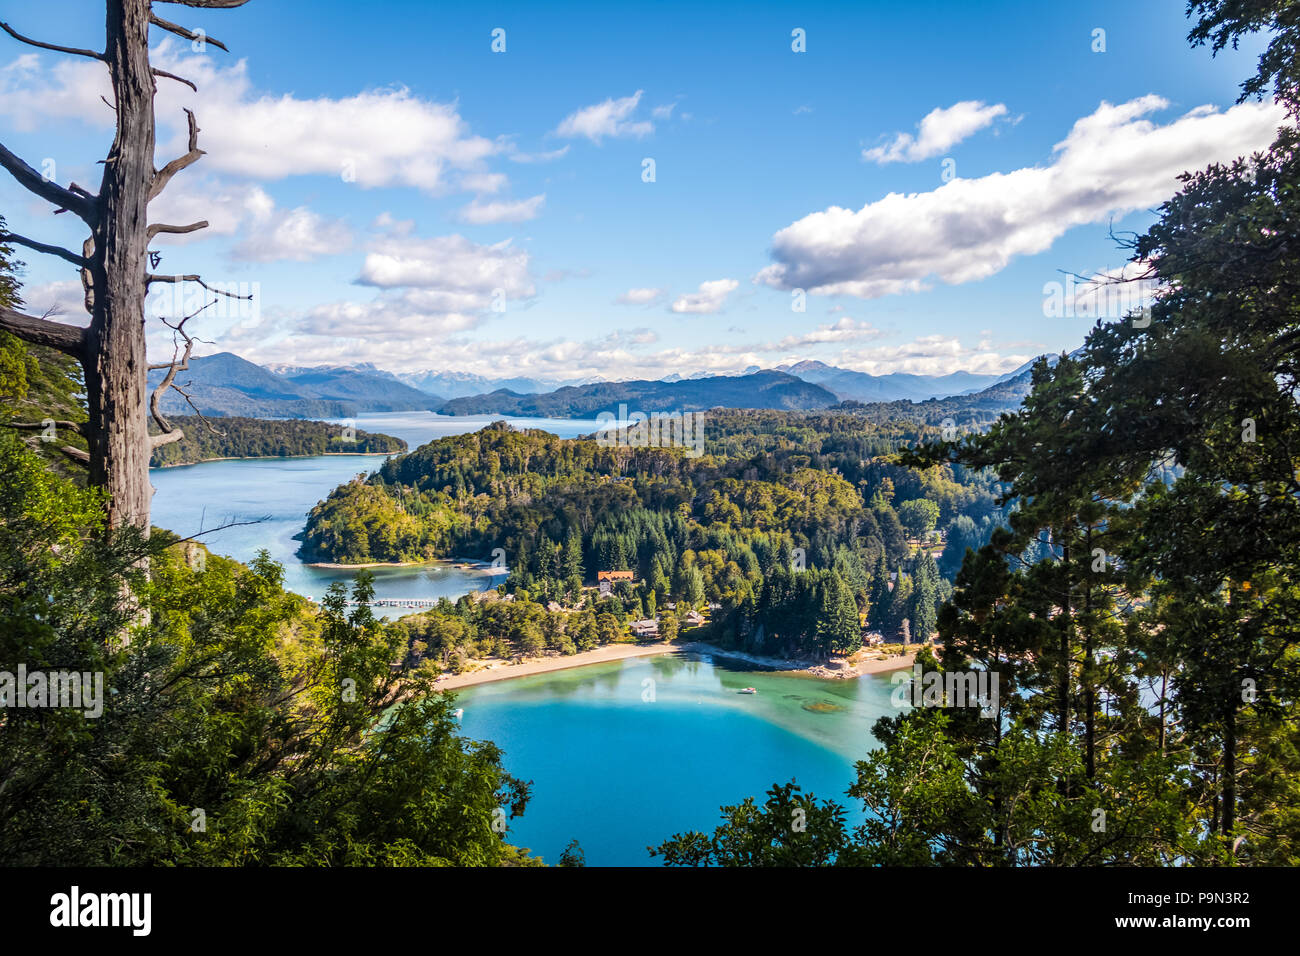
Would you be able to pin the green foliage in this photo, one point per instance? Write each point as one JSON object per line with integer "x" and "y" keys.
{"x": 1139, "y": 607}
{"x": 263, "y": 438}
{"x": 238, "y": 726}
{"x": 721, "y": 529}
{"x": 790, "y": 829}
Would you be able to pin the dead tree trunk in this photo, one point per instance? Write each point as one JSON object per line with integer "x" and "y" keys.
{"x": 114, "y": 259}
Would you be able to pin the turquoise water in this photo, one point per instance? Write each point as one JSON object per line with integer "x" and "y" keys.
{"x": 621, "y": 764}
{"x": 617, "y": 763}
{"x": 273, "y": 495}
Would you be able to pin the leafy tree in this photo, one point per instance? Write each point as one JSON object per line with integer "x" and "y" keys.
{"x": 919, "y": 517}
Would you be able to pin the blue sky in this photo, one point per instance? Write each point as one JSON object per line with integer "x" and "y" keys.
{"x": 398, "y": 193}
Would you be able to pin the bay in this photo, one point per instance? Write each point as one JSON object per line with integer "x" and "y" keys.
{"x": 623, "y": 755}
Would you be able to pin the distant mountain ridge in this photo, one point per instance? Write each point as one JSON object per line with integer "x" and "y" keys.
{"x": 463, "y": 384}
{"x": 766, "y": 389}
{"x": 225, "y": 385}
{"x": 864, "y": 387}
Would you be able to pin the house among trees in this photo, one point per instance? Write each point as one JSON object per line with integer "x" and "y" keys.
{"x": 693, "y": 619}
{"x": 615, "y": 576}
{"x": 647, "y": 628}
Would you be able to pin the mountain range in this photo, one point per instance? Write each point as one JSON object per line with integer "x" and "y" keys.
{"x": 862, "y": 387}
{"x": 766, "y": 389}
{"x": 227, "y": 385}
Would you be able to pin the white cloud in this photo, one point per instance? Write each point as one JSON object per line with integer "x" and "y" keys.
{"x": 610, "y": 118}
{"x": 640, "y": 296}
{"x": 483, "y": 182}
{"x": 1112, "y": 162}
{"x": 299, "y": 235}
{"x": 383, "y": 137}
{"x": 386, "y": 223}
{"x": 938, "y": 130}
{"x": 63, "y": 300}
{"x": 270, "y": 234}
{"x": 539, "y": 157}
{"x": 520, "y": 210}
{"x": 457, "y": 275}
{"x": 708, "y": 300}
{"x": 663, "y": 112}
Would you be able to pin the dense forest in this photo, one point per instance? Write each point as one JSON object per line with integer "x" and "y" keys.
{"x": 42, "y": 390}
{"x": 1122, "y": 550}
{"x": 794, "y": 527}
{"x": 1140, "y": 605}
{"x": 263, "y": 438}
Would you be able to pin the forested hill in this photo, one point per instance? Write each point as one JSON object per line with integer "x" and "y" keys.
{"x": 767, "y": 389}
{"x": 795, "y": 526}
{"x": 226, "y": 385}
{"x": 262, "y": 438}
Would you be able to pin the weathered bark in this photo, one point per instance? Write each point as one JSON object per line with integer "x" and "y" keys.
{"x": 114, "y": 257}
{"x": 116, "y": 365}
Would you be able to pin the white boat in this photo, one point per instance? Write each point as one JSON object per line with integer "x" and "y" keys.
{"x": 459, "y": 713}
{"x": 750, "y": 690}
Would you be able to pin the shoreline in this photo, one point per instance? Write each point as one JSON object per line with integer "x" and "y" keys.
{"x": 334, "y": 454}
{"x": 496, "y": 669}
{"x": 460, "y": 564}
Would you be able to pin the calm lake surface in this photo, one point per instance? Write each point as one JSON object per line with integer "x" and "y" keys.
{"x": 621, "y": 755}
{"x": 620, "y": 772}
{"x": 277, "y": 493}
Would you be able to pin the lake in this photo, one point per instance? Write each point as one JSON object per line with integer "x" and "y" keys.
{"x": 620, "y": 769}
{"x": 277, "y": 493}
{"x": 613, "y": 766}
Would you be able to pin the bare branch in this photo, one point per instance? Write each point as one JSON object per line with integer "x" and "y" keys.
{"x": 173, "y": 76}
{"x": 208, "y": 4}
{"x": 232, "y": 295}
{"x": 48, "y": 190}
{"x": 79, "y": 427}
{"x": 59, "y": 251}
{"x": 76, "y": 454}
{"x": 169, "y": 380}
{"x": 66, "y": 338}
{"x": 229, "y": 524}
{"x": 163, "y": 176}
{"x": 166, "y": 438}
{"x": 180, "y": 31}
{"x": 164, "y": 227}
{"x": 189, "y": 399}
{"x": 51, "y": 46}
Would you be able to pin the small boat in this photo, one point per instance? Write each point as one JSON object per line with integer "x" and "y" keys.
{"x": 750, "y": 690}
{"x": 459, "y": 713}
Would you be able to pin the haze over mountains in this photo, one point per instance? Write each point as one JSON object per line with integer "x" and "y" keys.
{"x": 766, "y": 389}
{"x": 227, "y": 385}
{"x": 861, "y": 387}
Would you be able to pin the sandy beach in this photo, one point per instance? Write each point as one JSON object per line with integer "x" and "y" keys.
{"x": 495, "y": 670}
{"x": 502, "y": 670}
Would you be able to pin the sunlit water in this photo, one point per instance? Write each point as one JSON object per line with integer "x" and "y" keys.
{"x": 264, "y": 502}
{"x": 625, "y": 754}
{"x": 621, "y": 755}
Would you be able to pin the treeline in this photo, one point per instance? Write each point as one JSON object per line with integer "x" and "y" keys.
{"x": 235, "y": 725}
{"x": 266, "y": 438}
{"x": 1139, "y": 607}
{"x": 790, "y": 515}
